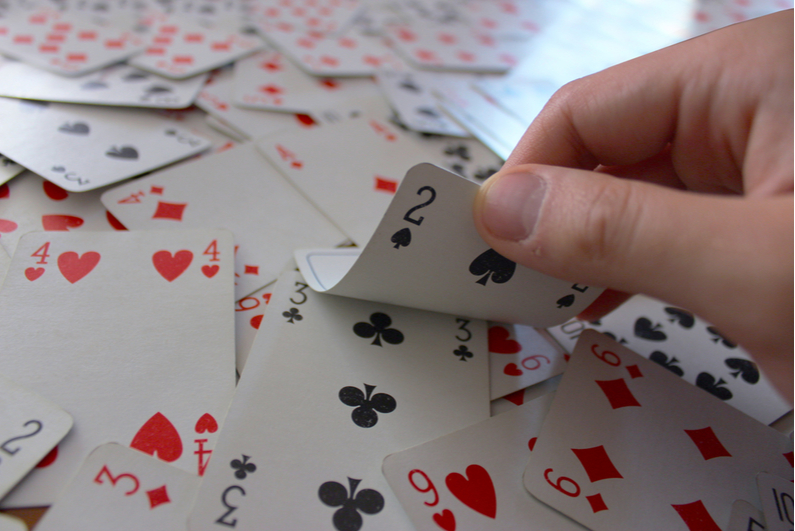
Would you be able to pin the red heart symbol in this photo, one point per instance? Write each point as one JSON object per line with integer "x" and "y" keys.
{"x": 49, "y": 458}
{"x": 476, "y": 491}
{"x": 54, "y": 192}
{"x": 32, "y": 273}
{"x": 115, "y": 223}
{"x": 74, "y": 267}
{"x": 499, "y": 342}
{"x": 512, "y": 370}
{"x": 210, "y": 271}
{"x": 60, "y": 222}
{"x": 7, "y": 225}
{"x": 206, "y": 423}
{"x": 256, "y": 321}
{"x": 158, "y": 436}
{"x": 445, "y": 520}
{"x": 170, "y": 267}
{"x": 517, "y": 397}
{"x": 532, "y": 443}
{"x": 4, "y": 191}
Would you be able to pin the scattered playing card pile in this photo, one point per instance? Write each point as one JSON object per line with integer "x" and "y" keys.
{"x": 171, "y": 168}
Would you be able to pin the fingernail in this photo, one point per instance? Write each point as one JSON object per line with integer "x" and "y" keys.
{"x": 512, "y": 205}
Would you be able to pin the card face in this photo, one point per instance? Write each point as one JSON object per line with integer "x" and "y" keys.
{"x": 30, "y": 426}
{"x": 517, "y": 398}
{"x": 745, "y": 517}
{"x": 30, "y": 203}
{"x": 368, "y": 379}
{"x": 325, "y": 16}
{"x": 628, "y": 445}
{"x": 350, "y": 170}
{"x": 118, "y": 84}
{"x": 415, "y": 105}
{"x": 120, "y": 488}
{"x": 777, "y": 494}
{"x": 688, "y": 347}
{"x": 67, "y": 45}
{"x": 97, "y": 322}
{"x": 466, "y": 157}
{"x": 249, "y": 312}
{"x": 402, "y": 263}
{"x": 80, "y": 148}
{"x": 179, "y": 48}
{"x": 268, "y": 217}
{"x": 471, "y": 479}
{"x": 520, "y": 357}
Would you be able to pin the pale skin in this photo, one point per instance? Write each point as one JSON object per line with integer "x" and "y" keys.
{"x": 669, "y": 175}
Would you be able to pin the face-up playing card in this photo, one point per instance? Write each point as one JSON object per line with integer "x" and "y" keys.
{"x": 331, "y": 386}
{"x": 522, "y": 97}
{"x": 249, "y": 312}
{"x": 688, "y": 347}
{"x": 745, "y": 517}
{"x": 120, "y": 488}
{"x": 415, "y": 105}
{"x": 508, "y": 18}
{"x": 517, "y": 398}
{"x": 100, "y": 324}
{"x": 216, "y": 99}
{"x": 471, "y": 479}
{"x": 30, "y": 426}
{"x": 270, "y": 81}
{"x": 776, "y": 494}
{"x": 179, "y": 48}
{"x": 80, "y": 148}
{"x": 268, "y": 217}
{"x": 426, "y": 253}
{"x": 628, "y": 445}
{"x": 30, "y": 203}
{"x": 519, "y": 357}
{"x": 455, "y": 47}
{"x": 67, "y": 45}
{"x": 350, "y": 170}
{"x": 347, "y": 55}
{"x": 9, "y": 169}
{"x": 326, "y": 16}
{"x": 114, "y": 85}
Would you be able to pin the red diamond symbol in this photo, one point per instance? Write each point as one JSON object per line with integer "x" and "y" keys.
{"x": 272, "y": 66}
{"x": 426, "y": 55}
{"x": 634, "y": 371}
{"x": 157, "y": 190}
{"x": 707, "y": 443}
{"x": 385, "y": 185}
{"x": 618, "y": 393}
{"x": 270, "y": 89}
{"x": 467, "y": 57}
{"x": 597, "y": 463}
{"x": 251, "y": 270}
{"x": 158, "y": 496}
{"x": 788, "y": 457}
{"x": 696, "y": 516}
{"x": 169, "y": 210}
{"x": 597, "y": 503}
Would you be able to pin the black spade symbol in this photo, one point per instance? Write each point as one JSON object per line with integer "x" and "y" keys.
{"x": 685, "y": 318}
{"x": 408, "y": 84}
{"x": 75, "y": 128}
{"x": 124, "y": 152}
{"x": 401, "y": 238}
{"x": 157, "y": 89}
{"x": 93, "y": 85}
{"x": 662, "y": 359}
{"x": 347, "y": 517}
{"x": 366, "y": 413}
{"x": 644, "y": 329}
{"x": 136, "y": 76}
{"x": 492, "y": 264}
{"x": 428, "y": 111}
{"x": 565, "y": 302}
{"x": 718, "y": 337}
{"x": 746, "y": 368}
{"x": 707, "y": 382}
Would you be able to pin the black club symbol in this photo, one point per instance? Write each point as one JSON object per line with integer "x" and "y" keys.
{"x": 485, "y": 173}
{"x": 463, "y": 352}
{"x": 365, "y": 415}
{"x": 292, "y": 314}
{"x": 461, "y": 151}
{"x": 242, "y": 468}
{"x": 347, "y": 517}
{"x": 379, "y": 327}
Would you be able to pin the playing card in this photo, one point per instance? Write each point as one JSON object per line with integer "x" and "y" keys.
{"x": 11, "y": 523}
{"x": 776, "y": 494}
{"x": 520, "y": 357}
{"x": 325, "y": 16}
{"x": 455, "y": 47}
{"x": 178, "y": 48}
{"x": 471, "y": 479}
{"x": 524, "y": 98}
{"x": 5, "y": 262}
{"x": 350, "y": 170}
{"x": 124, "y": 489}
{"x": 508, "y": 18}
{"x": 30, "y": 203}
{"x": 249, "y": 312}
{"x": 118, "y": 84}
{"x": 517, "y": 398}
{"x": 30, "y": 426}
{"x": 81, "y": 147}
{"x": 628, "y": 445}
{"x": 268, "y": 217}
{"x": 67, "y": 45}
{"x": 415, "y": 105}
{"x": 8, "y": 169}
{"x": 466, "y": 157}
{"x": 745, "y": 517}
{"x": 688, "y": 347}
{"x": 270, "y": 81}
{"x": 331, "y": 386}
{"x": 99, "y": 323}
{"x": 426, "y": 253}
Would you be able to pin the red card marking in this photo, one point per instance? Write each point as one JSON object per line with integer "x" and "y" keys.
{"x": 271, "y": 89}
{"x": 445, "y": 520}
{"x": 708, "y": 443}
{"x": 56, "y": 37}
{"x": 4, "y": 192}
{"x": 182, "y": 59}
{"x": 512, "y": 370}
{"x": 426, "y": 55}
{"x": 62, "y": 26}
{"x": 210, "y": 271}
{"x": 467, "y": 57}
{"x": 32, "y": 273}
{"x": 499, "y": 342}
{"x": 406, "y": 35}
{"x": 532, "y": 443}
{"x": 634, "y": 371}
{"x": 169, "y": 29}
{"x": 23, "y": 39}
{"x": 206, "y": 423}
{"x": 169, "y": 210}
{"x": 158, "y": 496}
{"x": 385, "y": 185}
{"x": 87, "y": 35}
{"x": 172, "y": 266}
{"x": 156, "y": 190}
{"x": 696, "y": 516}
{"x": 517, "y": 397}
{"x": 162, "y": 39}
{"x": 618, "y": 393}
{"x": 788, "y": 457}
{"x": 476, "y": 490}
{"x": 6, "y": 225}
{"x": 48, "y": 48}
{"x": 60, "y": 222}
{"x": 74, "y": 267}
{"x": 194, "y": 37}
{"x": 447, "y": 38}
{"x": 251, "y": 270}
{"x": 597, "y": 463}
{"x": 110, "y": 43}
{"x": 49, "y": 458}
{"x": 115, "y": 223}
{"x": 155, "y": 50}
{"x": 220, "y": 46}
{"x": 158, "y": 437}
{"x": 596, "y": 502}
{"x": 256, "y": 321}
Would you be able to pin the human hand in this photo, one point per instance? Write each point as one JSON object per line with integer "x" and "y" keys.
{"x": 669, "y": 175}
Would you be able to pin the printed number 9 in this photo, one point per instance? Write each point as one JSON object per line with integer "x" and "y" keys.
{"x": 558, "y": 485}
{"x": 611, "y": 358}
{"x": 430, "y": 487}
